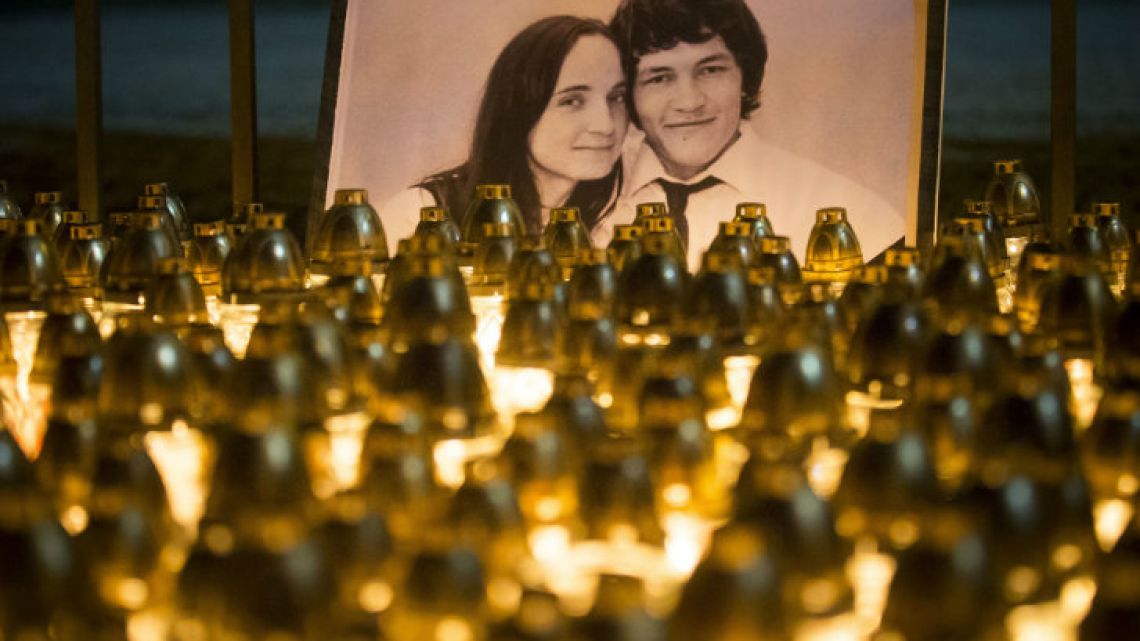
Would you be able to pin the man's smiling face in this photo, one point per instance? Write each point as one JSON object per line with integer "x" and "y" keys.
{"x": 688, "y": 100}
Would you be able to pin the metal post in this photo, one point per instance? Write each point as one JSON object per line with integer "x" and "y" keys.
{"x": 243, "y": 103}
{"x": 334, "y": 43}
{"x": 1064, "y": 113}
{"x": 930, "y": 167}
{"x": 88, "y": 105}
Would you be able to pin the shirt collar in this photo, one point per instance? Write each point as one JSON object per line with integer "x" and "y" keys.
{"x": 736, "y": 167}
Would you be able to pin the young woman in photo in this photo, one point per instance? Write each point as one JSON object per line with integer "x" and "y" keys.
{"x": 551, "y": 125}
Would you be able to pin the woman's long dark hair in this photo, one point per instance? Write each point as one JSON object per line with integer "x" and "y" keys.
{"x": 518, "y": 90}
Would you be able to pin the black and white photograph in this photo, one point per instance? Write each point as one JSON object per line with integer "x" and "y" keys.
{"x": 601, "y": 105}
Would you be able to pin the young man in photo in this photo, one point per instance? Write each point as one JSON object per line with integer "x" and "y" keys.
{"x": 695, "y": 70}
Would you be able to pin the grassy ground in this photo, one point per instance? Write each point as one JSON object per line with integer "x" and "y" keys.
{"x": 198, "y": 169}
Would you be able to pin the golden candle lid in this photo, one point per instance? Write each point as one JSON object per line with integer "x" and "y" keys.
{"x": 774, "y": 244}
{"x": 433, "y": 214}
{"x": 1082, "y": 220}
{"x": 971, "y": 223}
{"x": 564, "y": 214}
{"x": 1106, "y": 209}
{"x": 650, "y": 209}
{"x": 830, "y": 215}
{"x": 48, "y": 197}
{"x": 1002, "y": 167}
{"x": 75, "y": 217}
{"x": 904, "y": 257}
{"x": 274, "y": 220}
{"x": 210, "y": 229}
{"x": 147, "y": 220}
{"x": 735, "y": 228}
{"x": 350, "y": 197}
{"x": 870, "y": 274}
{"x": 978, "y": 207}
{"x": 627, "y": 232}
{"x": 152, "y": 202}
{"x": 660, "y": 224}
{"x": 91, "y": 231}
{"x": 247, "y": 211}
{"x": 492, "y": 191}
{"x": 751, "y": 211}
{"x": 27, "y": 227}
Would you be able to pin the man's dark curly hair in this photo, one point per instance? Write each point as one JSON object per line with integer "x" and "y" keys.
{"x": 645, "y": 26}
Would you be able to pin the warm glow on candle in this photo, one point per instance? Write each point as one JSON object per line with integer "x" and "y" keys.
{"x": 687, "y": 537}
{"x": 1111, "y": 518}
{"x": 237, "y": 323}
{"x": 375, "y": 596}
{"x": 1014, "y": 247}
{"x": 24, "y": 331}
{"x": 549, "y": 543}
{"x": 214, "y": 310}
{"x": 1005, "y": 289}
{"x": 454, "y": 629}
{"x": 825, "y": 468}
{"x": 722, "y": 418}
{"x": 1053, "y": 620}
{"x": 451, "y": 457}
{"x": 147, "y": 625}
{"x": 738, "y": 371}
{"x": 649, "y": 339}
{"x": 13, "y": 409}
{"x": 181, "y": 457}
{"x": 1039, "y": 622}
{"x": 1076, "y": 598}
{"x": 315, "y": 281}
{"x": 36, "y": 408}
{"x": 860, "y": 405}
{"x": 25, "y": 415}
{"x": 519, "y": 389}
{"x": 1085, "y": 395}
{"x": 870, "y": 573}
{"x": 74, "y": 519}
{"x": 729, "y": 455}
{"x": 489, "y": 317}
{"x": 346, "y": 440}
{"x": 111, "y": 313}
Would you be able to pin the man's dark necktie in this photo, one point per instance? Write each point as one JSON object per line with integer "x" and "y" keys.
{"x": 677, "y": 199}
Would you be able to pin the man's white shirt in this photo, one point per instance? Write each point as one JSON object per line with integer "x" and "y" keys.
{"x": 792, "y": 187}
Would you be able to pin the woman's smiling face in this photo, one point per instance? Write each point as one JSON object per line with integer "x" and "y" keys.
{"x": 579, "y": 135}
